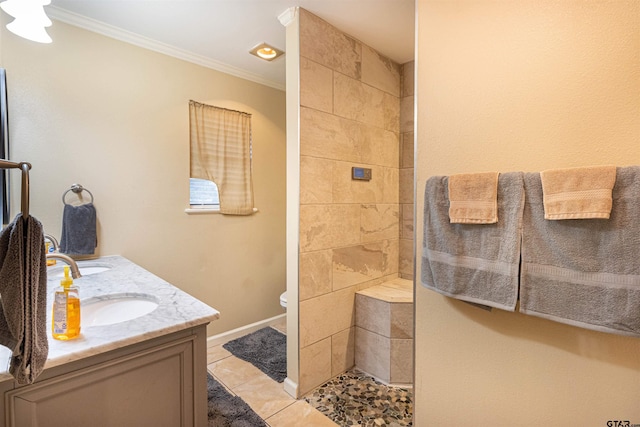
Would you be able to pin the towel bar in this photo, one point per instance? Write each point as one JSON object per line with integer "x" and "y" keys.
{"x": 24, "y": 197}
{"x": 77, "y": 189}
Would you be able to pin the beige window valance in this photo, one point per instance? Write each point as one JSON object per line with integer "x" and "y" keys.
{"x": 221, "y": 152}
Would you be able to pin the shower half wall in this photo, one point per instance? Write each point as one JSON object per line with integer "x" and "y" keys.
{"x": 352, "y": 234}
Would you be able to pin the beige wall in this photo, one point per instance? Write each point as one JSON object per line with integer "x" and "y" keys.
{"x": 349, "y": 230}
{"x": 523, "y": 85}
{"x": 114, "y": 118}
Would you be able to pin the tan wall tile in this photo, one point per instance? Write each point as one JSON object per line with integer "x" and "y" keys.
{"x": 316, "y": 85}
{"x": 316, "y": 180}
{"x": 315, "y": 365}
{"x": 374, "y": 315}
{"x": 327, "y": 226}
{"x": 406, "y": 156}
{"x": 327, "y": 136}
{"x": 392, "y": 251}
{"x": 408, "y": 79}
{"x": 390, "y": 189}
{"x": 373, "y": 354}
{"x": 380, "y": 72}
{"x": 357, "y": 101}
{"x": 391, "y": 105}
{"x": 401, "y": 361}
{"x": 326, "y": 315}
{"x": 379, "y": 222}
{"x": 315, "y": 274}
{"x": 360, "y": 263}
{"x": 406, "y": 114}
{"x": 343, "y": 347}
{"x": 328, "y": 46}
{"x": 379, "y": 147}
{"x": 406, "y": 259}
{"x": 407, "y": 222}
{"x": 401, "y": 320}
{"x": 406, "y": 185}
{"x": 351, "y": 115}
{"x": 348, "y": 190}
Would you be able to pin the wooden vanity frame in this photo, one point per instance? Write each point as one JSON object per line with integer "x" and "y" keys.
{"x": 158, "y": 382}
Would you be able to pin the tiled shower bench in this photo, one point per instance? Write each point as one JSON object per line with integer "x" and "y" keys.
{"x": 384, "y": 332}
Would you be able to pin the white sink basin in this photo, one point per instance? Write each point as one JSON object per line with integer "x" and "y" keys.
{"x": 92, "y": 269}
{"x": 116, "y": 308}
{"x": 86, "y": 269}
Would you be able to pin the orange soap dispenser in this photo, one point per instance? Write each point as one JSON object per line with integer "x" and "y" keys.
{"x": 66, "y": 309}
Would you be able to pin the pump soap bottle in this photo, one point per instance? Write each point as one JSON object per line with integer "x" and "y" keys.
{"x": 66, "y": 309}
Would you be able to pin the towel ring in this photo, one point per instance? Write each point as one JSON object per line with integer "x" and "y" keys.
{"x": 77, "y": 189}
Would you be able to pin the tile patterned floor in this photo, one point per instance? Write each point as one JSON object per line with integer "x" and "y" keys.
{"x": 265, "y": 396}
{"x": 269, "y": 400}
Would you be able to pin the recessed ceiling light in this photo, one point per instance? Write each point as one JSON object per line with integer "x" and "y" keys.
{"x": 266, "y": 52}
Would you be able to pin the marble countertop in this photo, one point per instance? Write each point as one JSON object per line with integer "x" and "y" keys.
{"x": 176, "y": 311}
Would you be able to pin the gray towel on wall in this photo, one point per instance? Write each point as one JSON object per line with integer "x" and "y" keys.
{"x": 477, "y": 263}
{"x": 23, "y": 292}
{"x": 79, "y": 230}
{"x": 584, "y": 272}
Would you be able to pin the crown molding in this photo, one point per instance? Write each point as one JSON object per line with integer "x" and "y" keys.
{"x": 146, "y": 43}
{"x": 288, "y": 16}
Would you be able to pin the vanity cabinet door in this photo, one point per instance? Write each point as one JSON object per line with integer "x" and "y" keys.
{"x": 154, "y": 387}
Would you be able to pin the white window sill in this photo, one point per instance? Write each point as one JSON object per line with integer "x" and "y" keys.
{"x": 198, "y": 211}
{"x": 205, "y": 211}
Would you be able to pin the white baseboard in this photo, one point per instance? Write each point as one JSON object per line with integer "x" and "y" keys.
{"x": 243, "y": 330}
{"x": 291, "y": 388}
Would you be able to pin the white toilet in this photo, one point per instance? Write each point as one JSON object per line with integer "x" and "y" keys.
{"x": 283, "y": 300}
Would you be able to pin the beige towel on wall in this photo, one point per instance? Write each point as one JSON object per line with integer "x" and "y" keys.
{"x": 578, "y": 193}
{"x": 473, "y": 198}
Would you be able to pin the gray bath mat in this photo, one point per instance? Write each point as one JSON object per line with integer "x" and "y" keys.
{"x": 226, "y": 410}
{"x": 266, "y": 349}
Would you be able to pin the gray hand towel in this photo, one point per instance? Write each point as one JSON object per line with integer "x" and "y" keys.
{"x": 23, "y": 292}
{"x": 79, "y": 230}
{"x": 584, "y": 272}
{"x": 476, "y": 263}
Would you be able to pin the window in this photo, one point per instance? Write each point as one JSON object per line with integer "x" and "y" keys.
{"x": 203, "y": 194}
{"x": 220, "y": 141}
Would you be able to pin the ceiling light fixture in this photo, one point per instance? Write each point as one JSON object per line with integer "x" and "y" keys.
{"x": 30, "y": 19}
{"x": 266, "y": 52}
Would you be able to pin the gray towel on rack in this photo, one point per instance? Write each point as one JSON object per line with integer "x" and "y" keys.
{"x": 23, "y": 292}
{"x": 79, "y": 230}
{"x": 584, "y": 272}
{"x": 476, "y": 263}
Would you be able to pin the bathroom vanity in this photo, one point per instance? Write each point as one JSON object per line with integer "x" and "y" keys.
{"x": 140, "y": 359}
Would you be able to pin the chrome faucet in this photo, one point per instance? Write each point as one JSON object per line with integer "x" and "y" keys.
{"x": 53, "y": 240}
{"x": 75, "y": 271}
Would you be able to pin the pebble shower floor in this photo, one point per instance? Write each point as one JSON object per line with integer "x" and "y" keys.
{"x": 356, "y": 399}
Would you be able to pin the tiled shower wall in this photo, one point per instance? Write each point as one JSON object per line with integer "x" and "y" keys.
{"x": 350, "y": 230}
{"x": 406, "y": 172}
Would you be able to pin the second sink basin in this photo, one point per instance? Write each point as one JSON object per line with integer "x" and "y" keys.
{"x": 116, "y": 308}
{"x": 86, "y": 269}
